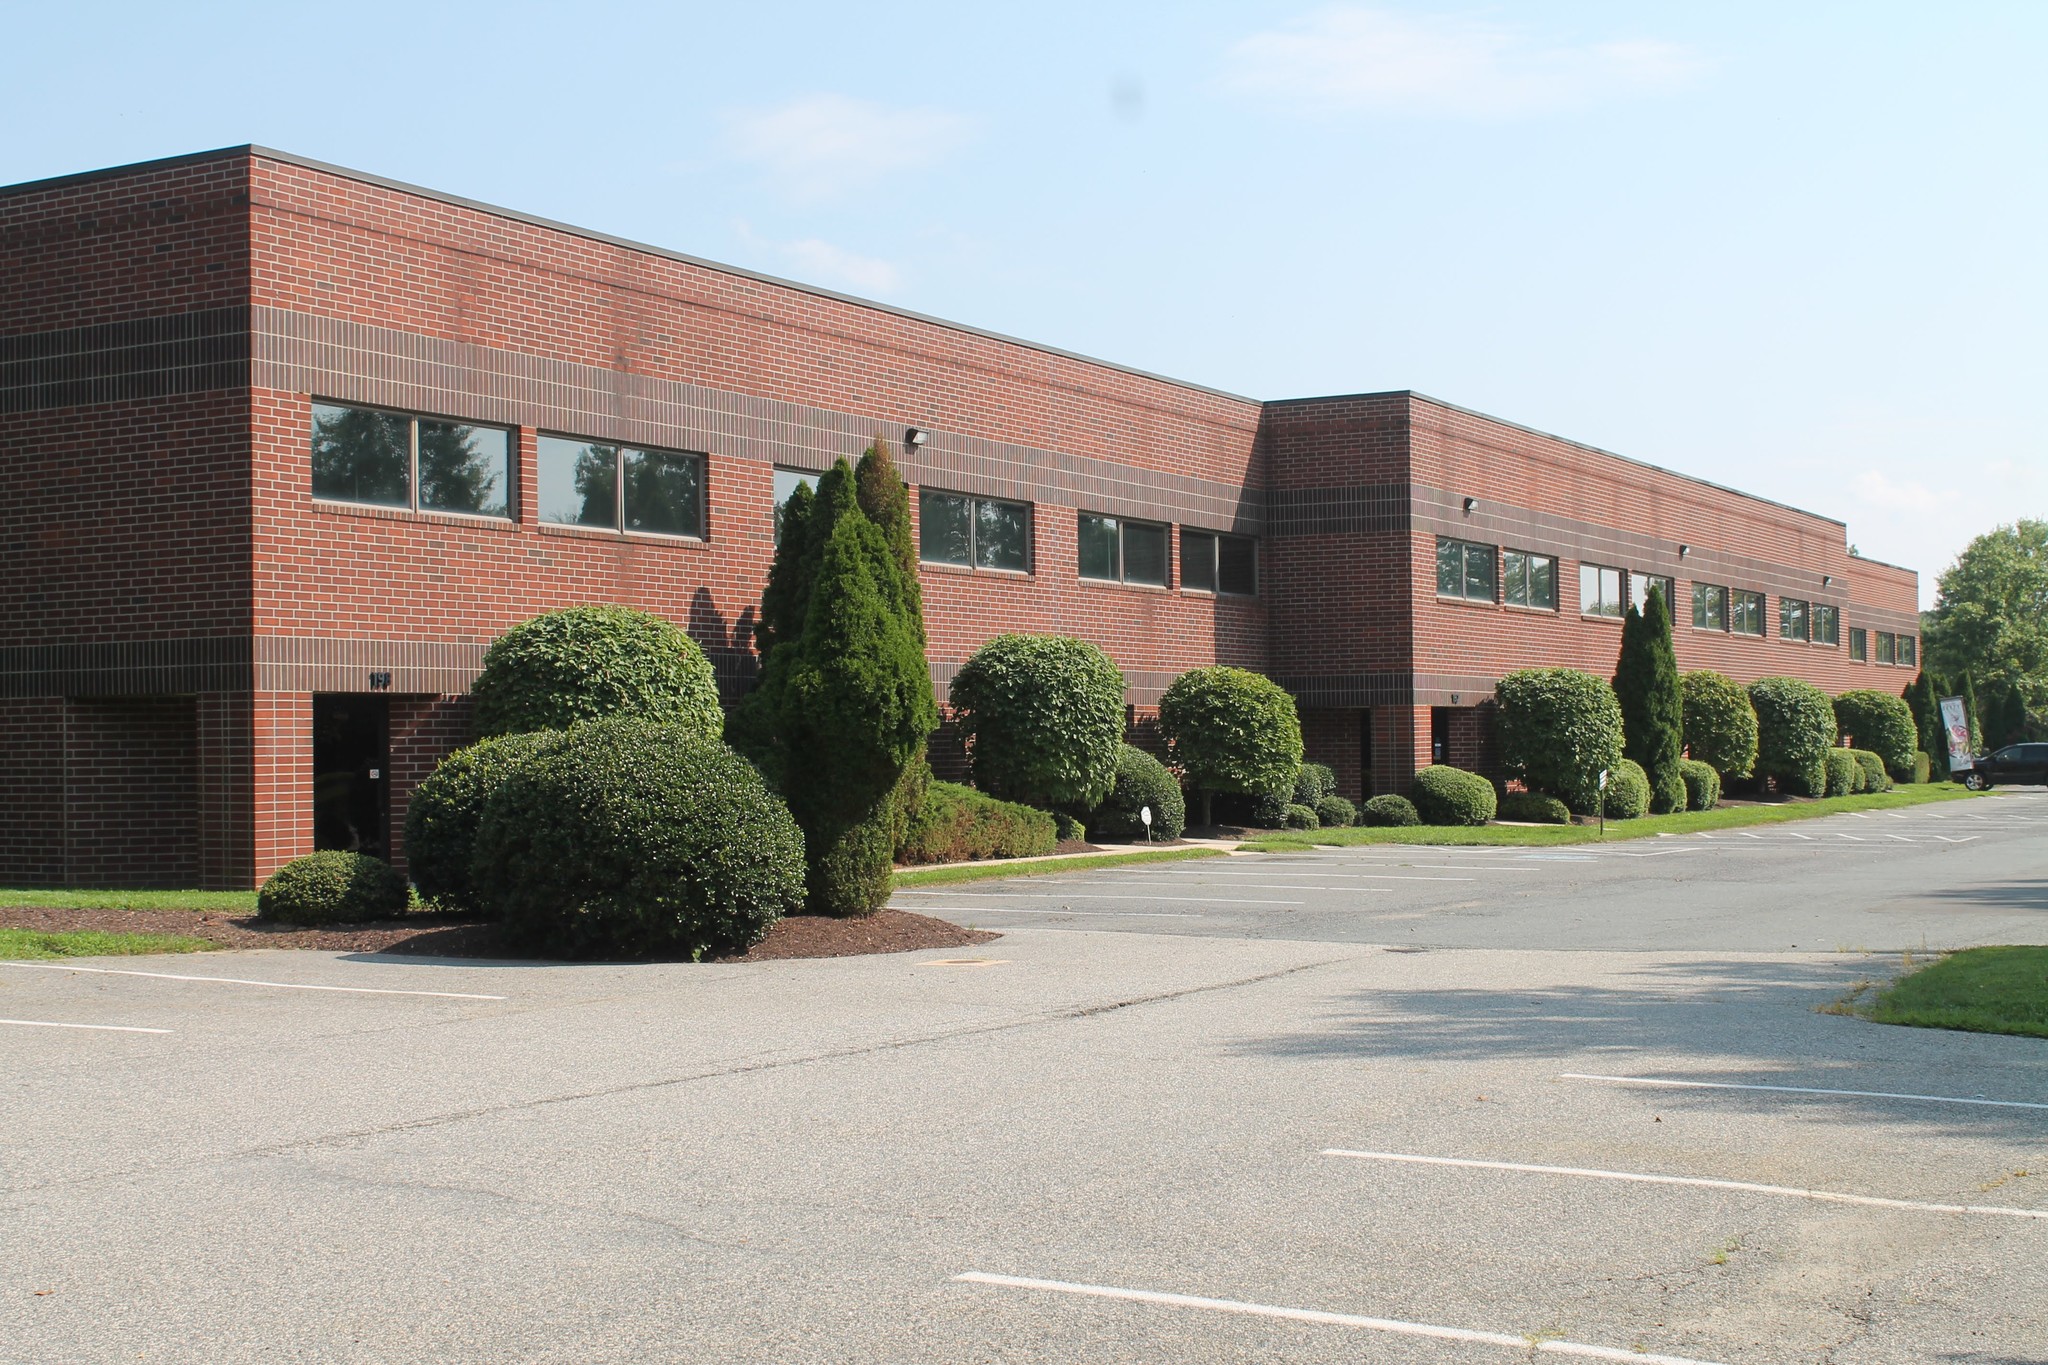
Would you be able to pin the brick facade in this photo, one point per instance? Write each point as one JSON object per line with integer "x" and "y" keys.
{"x": 165, "y": 328}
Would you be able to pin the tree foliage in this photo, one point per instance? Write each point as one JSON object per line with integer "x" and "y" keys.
{"x": 1720, "y": 723}
{"x": 1922, "y": 697}
{"x": 1990, "y": 620}
{"x": 1230, "y": 730}
{"x": 1559, "y": 727}
{"x": 1043, "y": 716}
{"x": 442, "y": 817}
{"x": 1795, "y": 727}
{"x": 550, "y": 672}
{"x": 1881, "y": 723}
{"x": 1652, "y": 710}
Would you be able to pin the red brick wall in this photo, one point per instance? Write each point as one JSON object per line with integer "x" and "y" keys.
{"x": 32, "y": 791}
{"x": 131, "y": 779}
{"x": 423, "y": 731}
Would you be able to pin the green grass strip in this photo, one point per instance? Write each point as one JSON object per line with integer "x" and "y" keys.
{"x": 1649, "y": 826}
{"x": 1979, "y": 990}
{"x": 31, "y": 944}
{"x": 1080, "y": 862}
{"x": 70, "y": 898}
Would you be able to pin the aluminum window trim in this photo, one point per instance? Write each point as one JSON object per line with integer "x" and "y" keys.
{"x": 412, "y": 468}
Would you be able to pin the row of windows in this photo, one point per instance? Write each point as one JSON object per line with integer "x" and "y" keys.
{"x": 388, "y": 459}
{"x": 1465, "y": 570}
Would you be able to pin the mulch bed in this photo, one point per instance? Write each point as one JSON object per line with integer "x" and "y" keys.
{"x": 434, "y": 935}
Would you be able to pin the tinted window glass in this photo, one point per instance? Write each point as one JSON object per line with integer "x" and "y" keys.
{"x": 578, "y": 482}
{"x": 945, "y": 528}
{"x": 1639, "y": 585}
{"x": 1197, "y": 560}
{"x": 1237, "y": 564}
{"x": 1709, "y": 606}
{"x": 1859, "y": 644}
{"x": 464, "y": 468}
{"x": 1887, "y": 647}
{"x": 1098, "y": 546}
{"x": 1479, "y": 581}
{"x": 1600, "y": 591}
{"x": 1001, "y": 534}
{"x": 1791, "y": 619}
{"x": 1826, "y": 630}
{"x": 1144, "y": 554}
{"x": 787, "y": 481}
{"x": 1450, "y": 568}
{"x": 1746, "y": 613}
{"x": 1908, "y": 650}
{"x": 362, "y": 456}
{"x": 664, "y": 492}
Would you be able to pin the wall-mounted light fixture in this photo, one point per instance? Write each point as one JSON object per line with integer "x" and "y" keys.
{"x": 916, "y": 436}
{"x": 1684, "y": 550}
{"x": 1454, "y": 698}
{"x": 1471, "y": 504}
{"x": 1827, "y": 580}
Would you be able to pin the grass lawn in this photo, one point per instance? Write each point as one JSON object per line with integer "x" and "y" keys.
{"x": 945, "y": 876}
{"x": 1649, "y": 826}
{"x": 218, "y": 902}
{"x": 18, "y": 944}
{"x": 1982, "y": 990}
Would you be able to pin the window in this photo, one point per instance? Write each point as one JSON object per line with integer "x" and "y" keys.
{"x": 1792, "y": 623}
{"x": 1746, "y": 612}
{"x": 1887, "y": 647}
{"x": 1909, "y": 651}
{"x": 590, "y": 483}
{"x": 1210, "y": 562}
{"x": 1859, "y": 644}
{"x": 1529, "y": 580}
{"x": 1709, "y": 606}
{"x": 1120, "y": 551}
{"x": 1599, "y": 590}
{"x": 1827, "y": 624}
{"x": 1464, "y": 569}
{"x": 1639, "y": 585}
{"x": 982, "y": 533}
{"x": 787, "y": 481}
{"x": 391, "y": 460}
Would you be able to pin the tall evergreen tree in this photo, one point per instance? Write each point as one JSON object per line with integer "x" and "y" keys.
{"x": 2005, "y": 715}
{"x": 1922, "y": 694}
{"x": 1652, "y": 707}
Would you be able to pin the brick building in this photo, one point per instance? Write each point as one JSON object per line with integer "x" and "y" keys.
{"x": 293, "y": 443}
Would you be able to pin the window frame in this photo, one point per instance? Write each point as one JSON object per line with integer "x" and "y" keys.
{"x": 1720, "y": 588}
{"x": 974, "y": 500}
{"x": 1805, "y": 619}
{"x": 1594, "y": 613}
{"x": 1908, "y": 650}
{"x": 805, "y": 478}
{"x": 1530, "y": 559}
{"x": 1123, "y": 578}
{"x": 620, "y": 450}
{"x": 1646, "y": 578}
{"x": 1215, "y": 539}
{"x": 1750, "y": 597}
{"x": 412, "y": 503}
{"x": 1887, "y": 644}
{"x": 1465, "y": 550}
{"x": 1833, "y": 638}
{"x": 1859, "y": 644}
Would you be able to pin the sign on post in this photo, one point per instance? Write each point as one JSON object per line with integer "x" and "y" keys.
{"x": 1145, "y": 814}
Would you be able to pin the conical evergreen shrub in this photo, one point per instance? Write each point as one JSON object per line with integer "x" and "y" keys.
{"x": 1652, "y": 707}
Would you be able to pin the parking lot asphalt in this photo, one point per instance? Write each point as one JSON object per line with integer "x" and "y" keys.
{"x": 1086, "y": 1141}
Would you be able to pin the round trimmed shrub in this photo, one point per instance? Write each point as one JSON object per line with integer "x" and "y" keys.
{"x": 1702, "y": 784}
{"x": 1843, "y": 776}
{"x": 1558, "y": 728}
{"x": 1720, "y": 723}
{"x": 585, "y": 662}
{"x": 1141, "y": 780}
{"x": 1875, "y": 777}
{"x": 1314, "y": 782}
{"x": 1043, "y": 717}
{"x": 1334, "y": 812}
{"x": 1923, "y": 766}
{"x": 1795, "y": 728}
{"x": 1628, "y": 791}
{"x": 1065, "y": 827}
{"x": 1881, "y": 723}
{"x": 1302, "y": 817}
{"x": 1389, "y": 811}
{"x": 333, "y": 886}
{"x": 1533, "y": 808}
{"x": 1231, "y": 730}
{"x": 631, "y": 837}
{"x": 441, "y": 819}
{"x": 1269, "y": 809}
{"x": 1444, "y": 795}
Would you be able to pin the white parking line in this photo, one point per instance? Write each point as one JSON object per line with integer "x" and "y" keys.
{"x": 1741, "y": 1186}
{"x": 239, "y": 981}
{"x": 1390, "y": 1325}
{"x": 1802, "y": 1090}
{"x": 97, "y": 1028}
{"x": 1039, "y": 910}
{"x": 1059, "y": 895}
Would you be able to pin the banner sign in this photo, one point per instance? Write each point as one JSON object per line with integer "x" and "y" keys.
{"x": 1956, "y": 722}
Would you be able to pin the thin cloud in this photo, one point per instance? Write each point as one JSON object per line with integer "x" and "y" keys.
{"x": 1350, "y": 57}
{"x": 1903, "y": 495}
{"x": 813, "y": 260}
{"x": 823, "y": 146}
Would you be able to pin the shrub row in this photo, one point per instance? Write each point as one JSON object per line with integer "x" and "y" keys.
{"x": 959, "y": 824}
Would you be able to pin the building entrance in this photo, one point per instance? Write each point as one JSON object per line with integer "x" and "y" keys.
{"x": 351, "y": 768}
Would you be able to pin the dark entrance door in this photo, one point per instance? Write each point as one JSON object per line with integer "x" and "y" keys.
{"x": 351, "y": 762}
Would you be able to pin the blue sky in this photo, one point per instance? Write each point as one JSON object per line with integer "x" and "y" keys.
{"x": 1793, "y": 248}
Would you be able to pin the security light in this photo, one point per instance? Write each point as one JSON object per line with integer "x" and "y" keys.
{"x": 1471, "y": 503}
{"x": 1827, "y": 580}
{"x": 916, "y": 436}
{"x": 1684, "y": 550}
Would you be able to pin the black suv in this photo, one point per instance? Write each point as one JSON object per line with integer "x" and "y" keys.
{"x": 2024, "y": 764}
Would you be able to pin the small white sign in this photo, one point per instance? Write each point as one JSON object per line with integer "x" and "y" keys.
{"x": 1603, "y": 779}
{"x": 1145, "y": 814}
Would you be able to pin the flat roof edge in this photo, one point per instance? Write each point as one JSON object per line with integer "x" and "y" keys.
{"x": 591, "y": 234}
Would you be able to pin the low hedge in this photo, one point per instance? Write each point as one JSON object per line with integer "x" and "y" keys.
{"x": 1334, "y": 812}
{"x": 1302, "y": 817}
{"x": 1875, "y": 778}
{"x": 333, "y": 887}
{"x": 1842, "y": 775}
{"x": 1702, "y": 784}
{"x": 1628, "y": 791}
{"x": 1444, "y": 795}
{"x": 957, "y": 824}
{"x": 1389, "y": 811}
{"x": 635, "y": 837}
{"x": 1533, "y": 808}
{"x": 442, "y": 817}
{"x": 1141, "y": 781}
